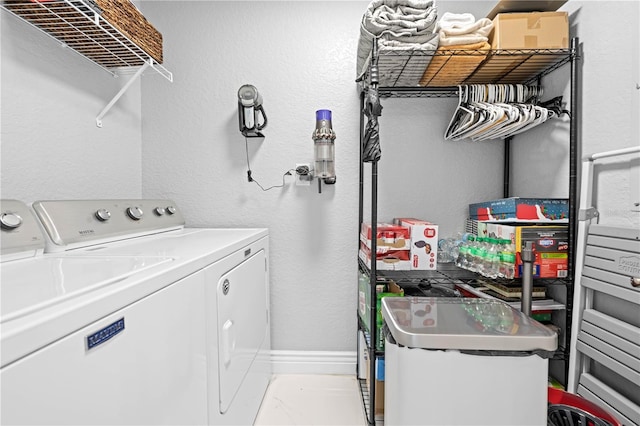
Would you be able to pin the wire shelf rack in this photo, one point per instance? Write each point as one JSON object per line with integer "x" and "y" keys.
{"x": 78, "y": 24}
{"x": 403, "y": 73}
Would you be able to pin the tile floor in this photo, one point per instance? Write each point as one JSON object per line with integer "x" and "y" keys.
{"x": 300, "y": 399}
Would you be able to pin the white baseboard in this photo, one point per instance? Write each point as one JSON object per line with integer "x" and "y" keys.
{"x": 313, "y": 362}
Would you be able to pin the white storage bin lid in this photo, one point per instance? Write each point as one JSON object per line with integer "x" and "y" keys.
{"x": 465, "y": 324}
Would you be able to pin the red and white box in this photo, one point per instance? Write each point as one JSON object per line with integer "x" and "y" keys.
{"x": 388, "y": 237}
{"x": 424, "y": 243}
{"x": 393, "y": 260}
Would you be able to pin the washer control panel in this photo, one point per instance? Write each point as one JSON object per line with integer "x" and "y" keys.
{"x": 19, "y": 227}
{"x": 77, "y": 223}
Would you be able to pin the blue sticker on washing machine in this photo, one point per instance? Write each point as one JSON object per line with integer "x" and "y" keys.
{"x": 105, "y": 334}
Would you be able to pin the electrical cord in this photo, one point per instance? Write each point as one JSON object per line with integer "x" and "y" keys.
{"x": 251, "y": 179}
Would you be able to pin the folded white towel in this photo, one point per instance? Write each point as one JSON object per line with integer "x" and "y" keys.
{"x": 395, "y": 22}
{"x": 458, "y": 29}
{"x": 481, "y": 27}
{"x": 449, "y": 20}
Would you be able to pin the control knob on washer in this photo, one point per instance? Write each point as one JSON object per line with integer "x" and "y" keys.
{"x": 159, "y": 211}
{"x": 171, "y": 210}
{"x": 103, "y": 215}
{"x": 135, "y": 213}
{"x": 10, "y": 220}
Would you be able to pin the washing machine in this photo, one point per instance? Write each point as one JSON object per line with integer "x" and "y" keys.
{"x": 143, "y": 321}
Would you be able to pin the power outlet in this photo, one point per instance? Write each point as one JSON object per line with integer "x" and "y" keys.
{"x": 303, "y": 174}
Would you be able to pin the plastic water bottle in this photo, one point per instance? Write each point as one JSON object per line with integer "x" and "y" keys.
{"x": 492, "y": 264}
{"x": 501, "y": 248}
{"x": 481, "y": 255}
{"x": 444, "y": 250}
{"x": 486, "y": 261}
{"x": 472, "y": 251}
{"x": 463, "y": 252}
{"x": 508, "y": 260}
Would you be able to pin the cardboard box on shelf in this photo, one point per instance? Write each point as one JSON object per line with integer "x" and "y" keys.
{"x": 526, "y": 209}
{"x": 424, "y": 243}
{"x": 397, "y": 260}
{"x": 550, "y": 245}
{"x": 546, "y": 265}
{"x": 551, "y": 248}
{"x": 503, "y": 232}
{"x": 545, "y": 238}
{"x": 530, "y": 30}
{"x": 476, "y": 227}
{"x": 388, "y": 236}
{"x": 510, "y": 6}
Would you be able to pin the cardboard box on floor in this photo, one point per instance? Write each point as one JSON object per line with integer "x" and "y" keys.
{"x": 379, "y": 397}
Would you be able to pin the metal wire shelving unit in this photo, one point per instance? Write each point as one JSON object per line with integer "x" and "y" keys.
{"x": 522, "y": 66}
{"x": 492, "y": 67}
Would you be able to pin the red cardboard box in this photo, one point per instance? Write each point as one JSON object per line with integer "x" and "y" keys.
{"x": 424, "y": 243}
{"x": 388, "y": 237}
{"x": 551, "y": 250}
{"x": 397, "y": 260}
{"x": 550, "y": 246}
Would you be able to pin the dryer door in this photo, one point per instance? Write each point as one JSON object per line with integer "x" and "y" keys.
{"x": 242, "y": 323}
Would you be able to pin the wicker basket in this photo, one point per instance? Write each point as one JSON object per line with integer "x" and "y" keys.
{"x": 123, "y": 15}
{"x": 67, "y": 21}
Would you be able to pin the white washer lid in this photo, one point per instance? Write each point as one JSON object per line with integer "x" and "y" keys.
{"x": 465, "y": 324}
{"x": 33, "y": 284}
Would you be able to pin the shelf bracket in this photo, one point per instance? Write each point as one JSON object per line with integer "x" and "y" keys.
{"x": 120, "y": 93}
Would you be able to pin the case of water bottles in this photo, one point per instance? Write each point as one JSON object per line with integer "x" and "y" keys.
{"x": 490, "y": 257}
{"x": 477, "y": 252}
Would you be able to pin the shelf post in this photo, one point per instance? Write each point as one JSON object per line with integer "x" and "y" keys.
{"x": 574, "y": 145}
{"x": 361, "y": 168}
{"x": 373, "y": 308}
{"x": 527, "y": 278}
{"x": 506, "y": 177}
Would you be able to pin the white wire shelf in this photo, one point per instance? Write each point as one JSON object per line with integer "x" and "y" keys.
{"x": 78, "y": 25}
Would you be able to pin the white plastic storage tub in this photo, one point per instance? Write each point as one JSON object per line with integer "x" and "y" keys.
{"x": 464, "y": 361}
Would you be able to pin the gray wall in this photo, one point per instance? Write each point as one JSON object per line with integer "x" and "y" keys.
{"x": 301, "y": 56}
{"x": 181, "y": 140}
{"x": 51, "y": 146}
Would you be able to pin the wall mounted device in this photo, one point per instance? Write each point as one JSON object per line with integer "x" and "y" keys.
{"x": 249, "y": 111}
{"x": 324, "y": 149}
